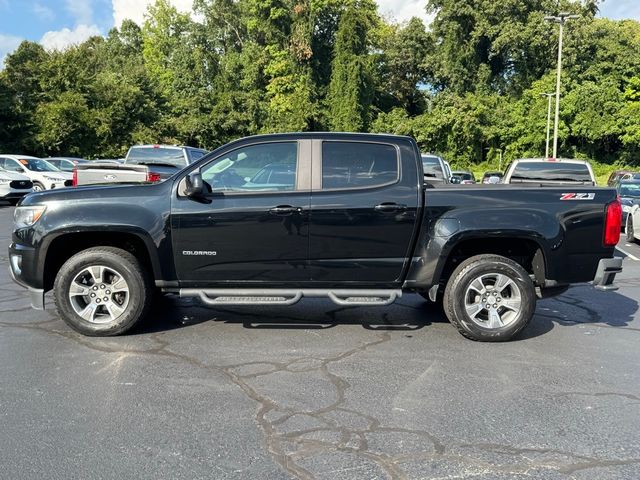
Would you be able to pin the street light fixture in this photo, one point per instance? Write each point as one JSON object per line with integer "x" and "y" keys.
{"x": 549, "y": 96}
{"x": 560, "y": 19}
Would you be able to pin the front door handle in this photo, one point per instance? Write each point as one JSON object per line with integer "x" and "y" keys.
{"x": 284, "y": 210}
{"x": 388, "y": 207}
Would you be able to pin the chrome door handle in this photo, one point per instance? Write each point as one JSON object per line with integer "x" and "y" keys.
{"x": 284, "y": 210}
{"x": 389, "y": 207}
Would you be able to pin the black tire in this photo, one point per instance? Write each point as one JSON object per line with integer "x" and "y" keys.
{"x": 39, "y": 185}
{"x": 457, "y": 289}
{"x": 629, "y": 230}
{"x": 140, "y": 290}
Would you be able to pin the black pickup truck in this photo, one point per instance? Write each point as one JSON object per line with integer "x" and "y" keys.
{"x": 268, "y": 220}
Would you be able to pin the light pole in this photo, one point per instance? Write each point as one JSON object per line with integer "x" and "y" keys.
{"x": 499, "y": 150}
{"x": 549, "y": 96}
{"x": 560, "y": 19}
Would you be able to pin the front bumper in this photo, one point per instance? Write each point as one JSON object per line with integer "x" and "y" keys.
{"x": 19, "y": 258}
{"x": 14, "y": 194}
{"x": 606, "y": 274}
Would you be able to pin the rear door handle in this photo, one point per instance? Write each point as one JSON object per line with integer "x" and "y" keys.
{"x": 284, "y": 210}
{"x": 390, "y": 207}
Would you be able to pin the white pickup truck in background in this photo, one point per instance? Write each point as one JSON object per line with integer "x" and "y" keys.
{"x": 143, "y": 163}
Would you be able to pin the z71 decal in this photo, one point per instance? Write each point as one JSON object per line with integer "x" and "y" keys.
{"x": 578, "y": 196}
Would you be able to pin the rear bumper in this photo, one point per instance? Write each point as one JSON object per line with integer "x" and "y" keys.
{"x": 608, "y": 268}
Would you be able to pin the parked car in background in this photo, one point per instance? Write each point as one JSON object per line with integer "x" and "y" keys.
{"x": 164, "y": 159}
{"x": 619, "y": 175}
{"x": 43, "y": 174}
{"x": 143, "y": 163}
{"x": 632, "y": 224}
{"x": 629, "y": 193}
{"x": 66, "y": 164}
{"x": 14, "y": 186}
{"x": 486, "y": 178}
{"x": 466, "y": 178}
{"x": 550, "y": 172}
{"x": 435, "y": 169}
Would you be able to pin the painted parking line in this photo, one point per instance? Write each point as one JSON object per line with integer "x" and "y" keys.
{"x": 631, "y": 256}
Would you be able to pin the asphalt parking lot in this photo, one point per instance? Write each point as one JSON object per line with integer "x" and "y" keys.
{"x": 315, "y": 391}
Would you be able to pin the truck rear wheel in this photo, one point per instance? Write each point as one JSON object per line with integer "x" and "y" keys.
{"x": 102, "y": 291}
{"x": 489, "y": 298}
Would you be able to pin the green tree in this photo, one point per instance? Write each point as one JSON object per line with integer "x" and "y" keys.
{"x": 352, "y": 85}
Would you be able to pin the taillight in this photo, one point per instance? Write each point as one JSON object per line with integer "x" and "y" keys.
{"x": 153, "y": 177}
{"x": 613, "y": 223}
{"x": 74, "y": 180}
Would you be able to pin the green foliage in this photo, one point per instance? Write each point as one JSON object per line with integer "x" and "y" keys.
{"x": 468, "y": 86}
{"x": 351, "y": 88}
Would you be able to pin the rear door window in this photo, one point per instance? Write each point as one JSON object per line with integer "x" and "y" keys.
{"x": 432, "y": 167}
{"x": 551, "y": 171}
{"x": 347, "y": 165}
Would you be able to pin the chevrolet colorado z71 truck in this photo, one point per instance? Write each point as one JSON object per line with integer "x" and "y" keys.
{"x": 268, "y": 220}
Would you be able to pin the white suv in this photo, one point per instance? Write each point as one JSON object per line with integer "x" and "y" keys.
{"x": 43, "y": 175}
{"x": 14, "y": 186}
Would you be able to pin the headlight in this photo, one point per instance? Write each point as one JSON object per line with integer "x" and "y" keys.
{"x": 27, "y": 216}
{"x": 627, "y": 208}
{"x": 4, "y": 181}
{"x": 54, "y": 179}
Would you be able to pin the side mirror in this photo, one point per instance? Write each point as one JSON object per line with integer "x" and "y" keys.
{"x": 195, "y": 186}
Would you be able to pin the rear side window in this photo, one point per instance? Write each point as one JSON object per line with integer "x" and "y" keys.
{"x": 432, "y": 167}
{"x": 551, "y": 171}
{"x": 358, "y": 165}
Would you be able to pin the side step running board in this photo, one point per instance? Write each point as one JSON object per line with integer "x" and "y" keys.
{"x": 249, "y": 296}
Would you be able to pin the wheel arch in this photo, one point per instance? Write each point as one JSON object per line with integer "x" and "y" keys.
{"x": 442, "y": 256}
{"x": 67, "y": 244}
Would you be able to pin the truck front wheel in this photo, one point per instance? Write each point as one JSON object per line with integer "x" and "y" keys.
{"x": 102, "y": 291}
{"x": 489, "y": 298}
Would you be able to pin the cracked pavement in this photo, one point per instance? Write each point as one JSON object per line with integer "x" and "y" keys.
{"x": 316, "y": 391}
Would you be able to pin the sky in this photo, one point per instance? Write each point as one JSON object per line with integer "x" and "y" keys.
{"x": 56, "y": 24}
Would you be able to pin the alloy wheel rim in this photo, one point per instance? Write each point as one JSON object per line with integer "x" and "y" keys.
{"x": 493, "y": 301}
{"x": 99, "y": 294}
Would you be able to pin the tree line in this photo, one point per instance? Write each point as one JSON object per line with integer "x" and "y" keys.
{"x": 467, "y": 86}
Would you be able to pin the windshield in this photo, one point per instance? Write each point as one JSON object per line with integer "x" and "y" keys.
{"x": 630, "y": 190}
{"x": 38, "y": 165}
{"x": 552, "y": 171}
{"x": 156, "y": 155}
{"x": 432, "y": 167}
